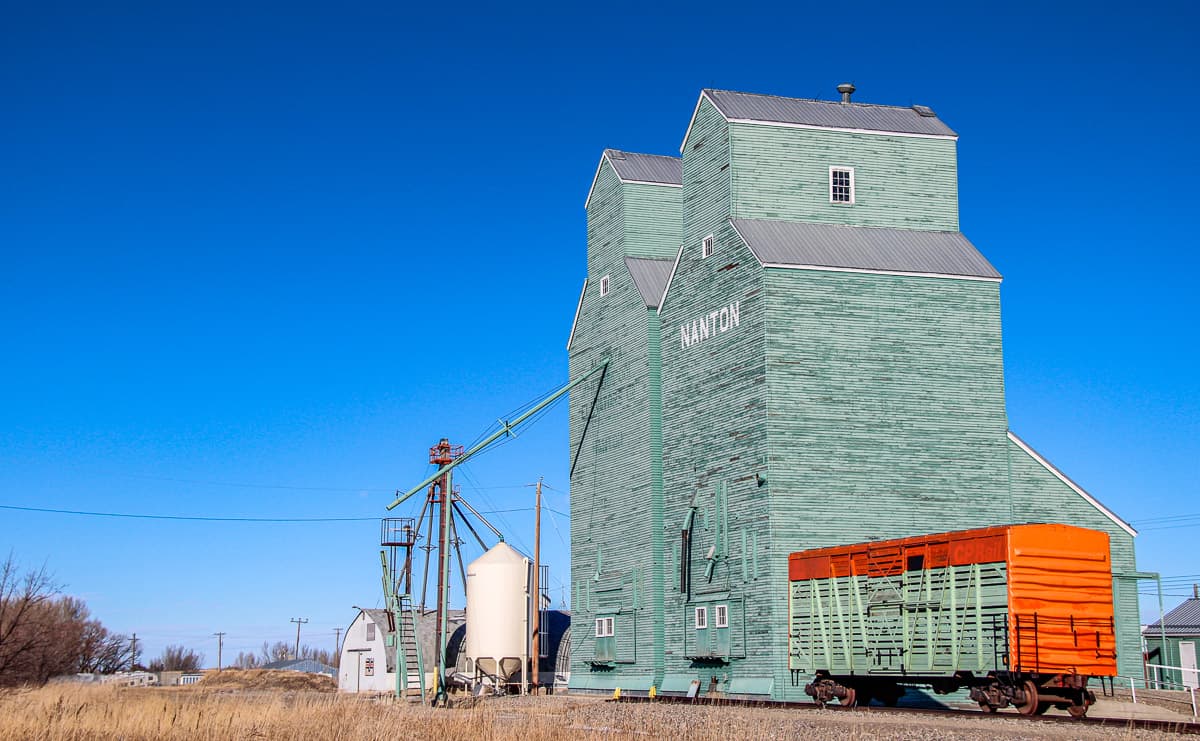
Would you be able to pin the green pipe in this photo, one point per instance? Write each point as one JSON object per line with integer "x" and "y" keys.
{"x": 505, "y": 429}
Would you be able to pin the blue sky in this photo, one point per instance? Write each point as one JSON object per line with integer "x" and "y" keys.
{"x": 258, "y": 258}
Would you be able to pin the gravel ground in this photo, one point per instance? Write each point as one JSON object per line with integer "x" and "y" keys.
{"x": 594, "y": 717}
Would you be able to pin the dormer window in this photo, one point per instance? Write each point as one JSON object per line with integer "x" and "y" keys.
{"x": 604, "y": 286}
{"x": 841, "y": 185}
{"x": 706, "y": 246}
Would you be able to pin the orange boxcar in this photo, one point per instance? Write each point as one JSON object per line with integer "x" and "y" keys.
{"x": 1028, "y": 630}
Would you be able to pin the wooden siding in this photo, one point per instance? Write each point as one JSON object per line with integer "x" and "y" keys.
{"x": 886, "y": 411}
{"x": 616, "y": 487}
{"x": 714, "y": 445}
{"x": 1040, "y": 496}
{"x": 705, "y": 176}
{"x": 902, "y": 182}
{"x": 652, "y": 221}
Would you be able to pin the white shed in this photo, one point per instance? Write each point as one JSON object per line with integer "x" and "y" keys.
{"x": 367, "y": 662}
{"x": 368, "y": 658}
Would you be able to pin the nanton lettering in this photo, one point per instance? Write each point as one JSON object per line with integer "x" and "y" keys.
{"x": 709, "y": 325}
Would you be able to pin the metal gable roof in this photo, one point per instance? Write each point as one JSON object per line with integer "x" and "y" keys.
{"x": 1184, "y": 620}
{"x": 650, "y": 276}
{"x": 826, "y": 114}
{"x": 907, "y": 251}
{"x": 646, "y": 168}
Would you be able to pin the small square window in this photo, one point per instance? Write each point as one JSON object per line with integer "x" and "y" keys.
{"x": 701, "y": 618}
{"x": 370, "y": 631}
{"x": 599, "y": 627}
{"x": 604, "y": 286}
{"x": 706, "y": 246}
{"x": 841, "y": 185}
{"x": 604, "y": 627}
{"x": 608, "y": 626}
{"x": 722, "y": 616}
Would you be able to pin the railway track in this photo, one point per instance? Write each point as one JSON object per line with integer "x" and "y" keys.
{"x": 1167, "y": 726}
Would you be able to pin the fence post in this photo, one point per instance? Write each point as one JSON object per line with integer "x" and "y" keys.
{"x": 1193, "y": 691}
{"x": 1133, "y": 690}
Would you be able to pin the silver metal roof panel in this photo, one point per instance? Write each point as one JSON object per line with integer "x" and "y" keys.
{"x": 1184, "y": 620}
{"x": 828, "y": 114}
{"x": 650, "y": 276}
{"x": 646, "y": 168}
{"x": 909, "y": 251}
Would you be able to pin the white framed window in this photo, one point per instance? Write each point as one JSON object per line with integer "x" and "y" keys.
{"x": 706, "y": 246}
{"x": 841, "y": 185}
{"x": 604, "y": 627}
{"x": 604, "y": 284}
{"x": 722, "y": 616}
{"x": 701, "y": 618}
{"x": 370, "y": 631}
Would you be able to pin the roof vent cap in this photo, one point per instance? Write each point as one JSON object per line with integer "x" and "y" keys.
{"x": 846, "y": 89}
{"x": 924, "y": 110}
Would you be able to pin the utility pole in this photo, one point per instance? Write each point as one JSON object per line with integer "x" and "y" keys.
{"x": 537, "y": 587}
{"x": 337, "y": 648}
{"x": 133, "y": 652}
{"x": 298, "y": 622}
{"x": 220, "y": 645}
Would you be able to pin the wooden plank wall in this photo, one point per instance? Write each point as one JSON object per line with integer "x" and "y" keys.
{"x": 901, "y": 182}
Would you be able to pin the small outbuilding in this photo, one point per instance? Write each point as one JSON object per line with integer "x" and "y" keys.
{"x": 1180, "y": 628}
{"x": 368, "y": 657}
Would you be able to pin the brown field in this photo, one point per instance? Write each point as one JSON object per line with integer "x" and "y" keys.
{"x": 230, "y": 710}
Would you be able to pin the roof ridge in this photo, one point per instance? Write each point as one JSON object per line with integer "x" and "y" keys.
{"x": 643, "y": 154}
{"x": 815, "y": 100}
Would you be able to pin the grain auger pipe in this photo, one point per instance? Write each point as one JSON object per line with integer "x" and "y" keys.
{"x": 506, "y": 428}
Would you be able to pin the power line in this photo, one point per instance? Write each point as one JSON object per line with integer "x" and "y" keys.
{"x": 243, "y": 485}
{"x": 202, "y": 518}
{"x": 194, "y": 518}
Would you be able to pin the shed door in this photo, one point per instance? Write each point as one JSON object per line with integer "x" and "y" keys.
{"x": 1187, "y": 659}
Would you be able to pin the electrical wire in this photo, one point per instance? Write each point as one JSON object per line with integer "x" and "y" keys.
{"x": 243, "y": 485}
{"x": 191, "y": 518}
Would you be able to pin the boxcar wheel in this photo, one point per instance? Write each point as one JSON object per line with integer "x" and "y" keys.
{"x": 1030, "y": 706}
{"x": 851, "y": 698}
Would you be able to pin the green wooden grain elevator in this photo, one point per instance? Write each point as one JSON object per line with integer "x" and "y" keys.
{"x": 804, "y": 351}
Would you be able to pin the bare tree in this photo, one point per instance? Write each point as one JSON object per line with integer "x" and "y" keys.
{"x": 277, "y": 651}
{"x": 177, "y": 659}
{"x": 317, "y": 654}
{"x": 247, "y": 660}
{"x": 24, "y": 599}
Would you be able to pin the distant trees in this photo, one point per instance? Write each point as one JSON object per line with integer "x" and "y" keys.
{"x": 177, "y": 659}
{"x": 44, "y": 633}
{"x": 246, "y": 660}
{"x": 279, "y": 651}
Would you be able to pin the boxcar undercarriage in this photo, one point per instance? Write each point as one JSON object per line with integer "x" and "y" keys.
{"x": 1030, "y": 694}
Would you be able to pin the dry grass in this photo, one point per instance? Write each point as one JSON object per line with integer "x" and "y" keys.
{"x": 82, "y": 712}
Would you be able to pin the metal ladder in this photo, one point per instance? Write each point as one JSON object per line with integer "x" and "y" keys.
{"x": 410, "y": 669}
{"x": 410, "y": 680}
